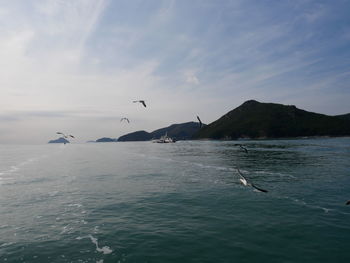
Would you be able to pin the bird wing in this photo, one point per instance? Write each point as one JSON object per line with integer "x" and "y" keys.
{"x": 143, "y": 102}
{"x": 127, "y": 120}
{"x": 200, "y": 122}
{"x": 71, "y": 136}
{"x": 259, "y": 189}
{"x": 242, "y": 147}
{"x": 243, "y": 179}
{"x": 59, "y": 133}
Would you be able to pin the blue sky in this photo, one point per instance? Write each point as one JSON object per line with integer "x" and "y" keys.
{"x": 76, "y": 66}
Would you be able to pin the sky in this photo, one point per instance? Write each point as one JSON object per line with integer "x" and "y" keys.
{"x": 76, "y": 66}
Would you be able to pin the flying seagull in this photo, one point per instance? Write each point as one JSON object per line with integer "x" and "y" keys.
{"x": 244, "y": 182}
{"x": 126, "y": 119}
{"x": 242, "y": 147}
{"x": 200, "y": 122}
{"x": 141, "y": 101}
{"x": 65, "y": 136}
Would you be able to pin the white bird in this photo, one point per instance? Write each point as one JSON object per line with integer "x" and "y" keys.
{"x": 244, "y": 182}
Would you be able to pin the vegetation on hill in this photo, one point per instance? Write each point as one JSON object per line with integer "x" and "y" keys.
{"x": 344, "y": 116}
{"x": 135, "y": 136}
{"x": 270, "y": 120}
{"x": 182, "y": 131}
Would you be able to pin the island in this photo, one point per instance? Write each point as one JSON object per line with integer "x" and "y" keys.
{"x": 257, "y": 120}
{"x": 60, "y": 140}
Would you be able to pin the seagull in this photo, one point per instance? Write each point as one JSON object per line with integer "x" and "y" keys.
{"x": 141, "y": 101}
{"x": 242, "y": 147}
{"x": 126, "y": 119}
{"x": 65, "y": 136}
{"x": 244, "y": 182}
{"x": 200, "y": 122}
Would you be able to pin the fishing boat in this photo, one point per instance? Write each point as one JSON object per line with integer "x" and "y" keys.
{"x": 164, "y": 139}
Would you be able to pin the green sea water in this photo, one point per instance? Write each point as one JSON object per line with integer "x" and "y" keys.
{"x": 182, "y": 202}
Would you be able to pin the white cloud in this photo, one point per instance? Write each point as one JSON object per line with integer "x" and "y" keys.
{"x": 60, "y": 67}
{"x": 191, "y": 78}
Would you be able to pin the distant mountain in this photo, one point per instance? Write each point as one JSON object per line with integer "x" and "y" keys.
{"x": 270, "y": 120}
{"x": 59, "y": 140}
{"x": 344, "y": 116}
{"x": 182, "y": 131}
{"x": 105, "y": 139}
{"x": 136, "y": 136}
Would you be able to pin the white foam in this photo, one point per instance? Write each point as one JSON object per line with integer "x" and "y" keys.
{"x": 66, "y": 229}
{"x": 326, "y": 210}
{"x": 6, "y": 244}
{"x": 53, "y": 193}
{"x": 76, "y": 205}
{"x": 275, "y": 174}
{"x": 105, "y": 250}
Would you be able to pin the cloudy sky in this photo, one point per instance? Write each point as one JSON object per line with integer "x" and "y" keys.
{"x": 76, "y": 66}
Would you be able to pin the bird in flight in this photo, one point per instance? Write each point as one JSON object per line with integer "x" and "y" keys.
{"x": 141, "y": 101}
{"x": 124, "y": 119}
{"x": 200, "y": 122}
{"x": 245, "y": 182}
{"x": 65, "y": 136}
{"x": 242, "y": 147}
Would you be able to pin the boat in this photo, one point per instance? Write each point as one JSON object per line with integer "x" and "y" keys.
{"x": 164, "y": 139}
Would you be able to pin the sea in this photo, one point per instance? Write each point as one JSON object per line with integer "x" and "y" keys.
{"x": 179, "y": 202}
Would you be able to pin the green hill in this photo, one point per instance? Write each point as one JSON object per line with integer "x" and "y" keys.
{"x": 182, "y": 131}
{"x": 135, "y": 136}
{"x": 270, "y": 120}
{"x": 344, "y": 116}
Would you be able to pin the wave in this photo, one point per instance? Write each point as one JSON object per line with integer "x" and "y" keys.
{"x": 105, "y": 250}
{"x": 303, "y": 203}
{"x": 16, "y": 167}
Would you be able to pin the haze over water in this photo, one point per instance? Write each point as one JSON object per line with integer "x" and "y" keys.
{"x": 182, "y": 202}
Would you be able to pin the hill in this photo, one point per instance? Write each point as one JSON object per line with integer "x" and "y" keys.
{"x": 182, "y": 131}
{"x": 344, "y": 116}
{"x": 270, "y": 120}
{"x": 59, "y": 140}
{"x": 135, "y": 136}
{"x": 105, "y": 139}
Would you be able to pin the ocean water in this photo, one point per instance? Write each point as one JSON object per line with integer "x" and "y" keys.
{"x": 182, "y": 202}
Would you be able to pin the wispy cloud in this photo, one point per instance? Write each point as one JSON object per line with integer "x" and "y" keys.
{"x": 78, "y": 63}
